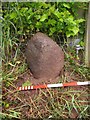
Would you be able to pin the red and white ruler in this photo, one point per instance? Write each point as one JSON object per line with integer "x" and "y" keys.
{"x": 53, "y": 85}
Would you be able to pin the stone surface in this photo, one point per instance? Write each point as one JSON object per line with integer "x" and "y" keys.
{"x": 44, "y": 57}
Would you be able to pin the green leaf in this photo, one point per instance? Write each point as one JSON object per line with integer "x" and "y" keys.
{"x": 80, "y": 20}
{"x": 61, "y": 20}
{"x": 70, "y": 18}
{"x": 52, "y": 30}
{"x": 7, "y": 105}
{"x": 51, "y": 22}
{"x": 66, "y": 5}
{"x": 52, "y": 9}
{"x": 57, "y": 14}
{"x": 45, "y": 5}
{"x": 37, "y": 17}
{"x": 28, "y": 17}
{"x": 23, "y": 10}
{"x": 82, "y": 43}
{"x": 75, "y": 30}
{"x": 27, "y": 83}
{"x": 44, "y": 17}
{"x": 69, "y": 33}
{"x": 13, "y": 15}
{"x": 29, "y": 11}
{"x": 38, "y": 24}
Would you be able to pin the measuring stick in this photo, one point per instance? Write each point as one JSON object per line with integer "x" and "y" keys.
{"x": 53, "y": 85}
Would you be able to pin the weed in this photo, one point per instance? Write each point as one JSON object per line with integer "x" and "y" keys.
{"x": 49, "y": 103}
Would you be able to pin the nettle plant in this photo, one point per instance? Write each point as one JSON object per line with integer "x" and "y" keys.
{"x": 50, "y": 18}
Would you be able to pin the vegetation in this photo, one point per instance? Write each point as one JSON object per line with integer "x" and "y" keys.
{"x": 59, "y": 21}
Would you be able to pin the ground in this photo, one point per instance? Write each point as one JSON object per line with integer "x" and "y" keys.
{"x": 66, "y": 102}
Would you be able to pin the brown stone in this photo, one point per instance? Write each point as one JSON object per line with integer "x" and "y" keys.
{"x": 44, "y": 57}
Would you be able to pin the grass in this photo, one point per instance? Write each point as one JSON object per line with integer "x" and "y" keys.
{"x": 69, "y": 102}
{"x": 50, "y": 103}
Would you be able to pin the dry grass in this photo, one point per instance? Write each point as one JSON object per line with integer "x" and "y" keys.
{"x": 69, "y": 102}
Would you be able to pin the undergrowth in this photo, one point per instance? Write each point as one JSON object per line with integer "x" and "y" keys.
{"x": 50, "y": 103}
{"x": 69, "y": 102}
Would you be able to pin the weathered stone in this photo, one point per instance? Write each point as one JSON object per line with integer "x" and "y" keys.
{"x": 44, "y": 57}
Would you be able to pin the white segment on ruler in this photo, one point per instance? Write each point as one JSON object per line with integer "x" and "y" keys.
{"x": 54, "y": 85}
{"x": 31, "y": 87}
{"x": 20, "y": 88}
{"x": 83, "y": 83}
{"x": 25, "y": 87}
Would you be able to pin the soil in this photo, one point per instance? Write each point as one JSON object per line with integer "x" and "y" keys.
{"x": 28, "y": 76}
{"x": 34, "y": 102}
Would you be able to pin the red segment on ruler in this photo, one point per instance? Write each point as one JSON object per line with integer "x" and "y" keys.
{"x": 39, "y": 86}
{"x": 70, "y": 84}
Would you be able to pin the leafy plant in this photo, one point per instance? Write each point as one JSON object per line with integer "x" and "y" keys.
{"x": 51, "y": 18}
{"x": 27, "y": 83}
{"x": 54, "y": 19}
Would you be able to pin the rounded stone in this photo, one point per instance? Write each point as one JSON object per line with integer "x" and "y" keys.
{"x": 44, "y": 57}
